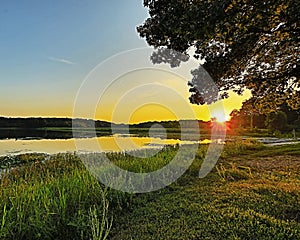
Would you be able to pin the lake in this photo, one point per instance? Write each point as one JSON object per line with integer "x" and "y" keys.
{"x": 112, "y": 143}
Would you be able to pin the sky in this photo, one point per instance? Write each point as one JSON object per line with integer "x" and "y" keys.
{"x": 50, "y": 51}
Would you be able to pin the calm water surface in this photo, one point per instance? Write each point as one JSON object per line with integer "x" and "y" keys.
{"x": 114, "y": 143}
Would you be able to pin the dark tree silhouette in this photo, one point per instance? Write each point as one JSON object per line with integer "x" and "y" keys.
{"x": 283, "y": 118}
{"x": 277, "y": 121}
{"x": 250, "y": 44}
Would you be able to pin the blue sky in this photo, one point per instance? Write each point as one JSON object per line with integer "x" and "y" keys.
{"x": 47, "y": 48}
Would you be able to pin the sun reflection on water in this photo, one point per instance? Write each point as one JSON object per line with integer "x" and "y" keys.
{"x": 115, "y": 143}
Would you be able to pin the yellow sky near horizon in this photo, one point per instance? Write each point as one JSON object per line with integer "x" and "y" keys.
{"x": 139, "y": 96}
{"x": 155, "y": 112}
{"x": 147, "y": 112}
{"x": 150, "y": 95}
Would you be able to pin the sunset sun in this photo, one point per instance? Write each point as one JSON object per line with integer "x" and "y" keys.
{"x": 221, "y": 117}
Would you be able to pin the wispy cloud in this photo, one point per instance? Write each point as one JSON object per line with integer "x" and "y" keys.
{"x": 61, "y": 60}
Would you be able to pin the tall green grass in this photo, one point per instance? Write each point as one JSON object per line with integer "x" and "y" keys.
{"x": 51, "y": 200}
{"x": 55, "y": 197}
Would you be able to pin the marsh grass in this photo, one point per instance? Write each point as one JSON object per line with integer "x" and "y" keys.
{"x": 145, "y": 161}
{"x": 252, "y": 193}
{"x": 22, "y": 159}
{"x": 100, "y": 227}
{"x": 238, "y": 146}
{"x": 49, "y": 200}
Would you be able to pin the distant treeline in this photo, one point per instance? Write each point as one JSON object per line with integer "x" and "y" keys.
{"x": 28, "y": 123}
{"x": 65, "y": 128}
{"x": 173, "y": 124}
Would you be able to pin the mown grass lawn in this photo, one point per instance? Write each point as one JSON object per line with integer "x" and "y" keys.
{"x": 252, "y": 193}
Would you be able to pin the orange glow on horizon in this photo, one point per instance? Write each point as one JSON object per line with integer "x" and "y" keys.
{"x": 169, "y": 108}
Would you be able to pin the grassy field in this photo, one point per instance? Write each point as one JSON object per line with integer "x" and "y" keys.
{"x": 252, "y": 193}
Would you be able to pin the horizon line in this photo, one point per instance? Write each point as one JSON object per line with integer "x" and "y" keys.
{"x": 117, "y": 123}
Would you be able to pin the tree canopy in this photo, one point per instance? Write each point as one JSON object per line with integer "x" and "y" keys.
{"x": 250, "y": 44}
{"x": 284, "y": 118}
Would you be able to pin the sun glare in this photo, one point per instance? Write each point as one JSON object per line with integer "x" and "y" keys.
{"x": 221, "y": 118}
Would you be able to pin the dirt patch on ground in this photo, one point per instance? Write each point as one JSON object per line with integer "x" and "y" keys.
{"x": 281, "y": 163}
{"x": 273, "y": 163}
